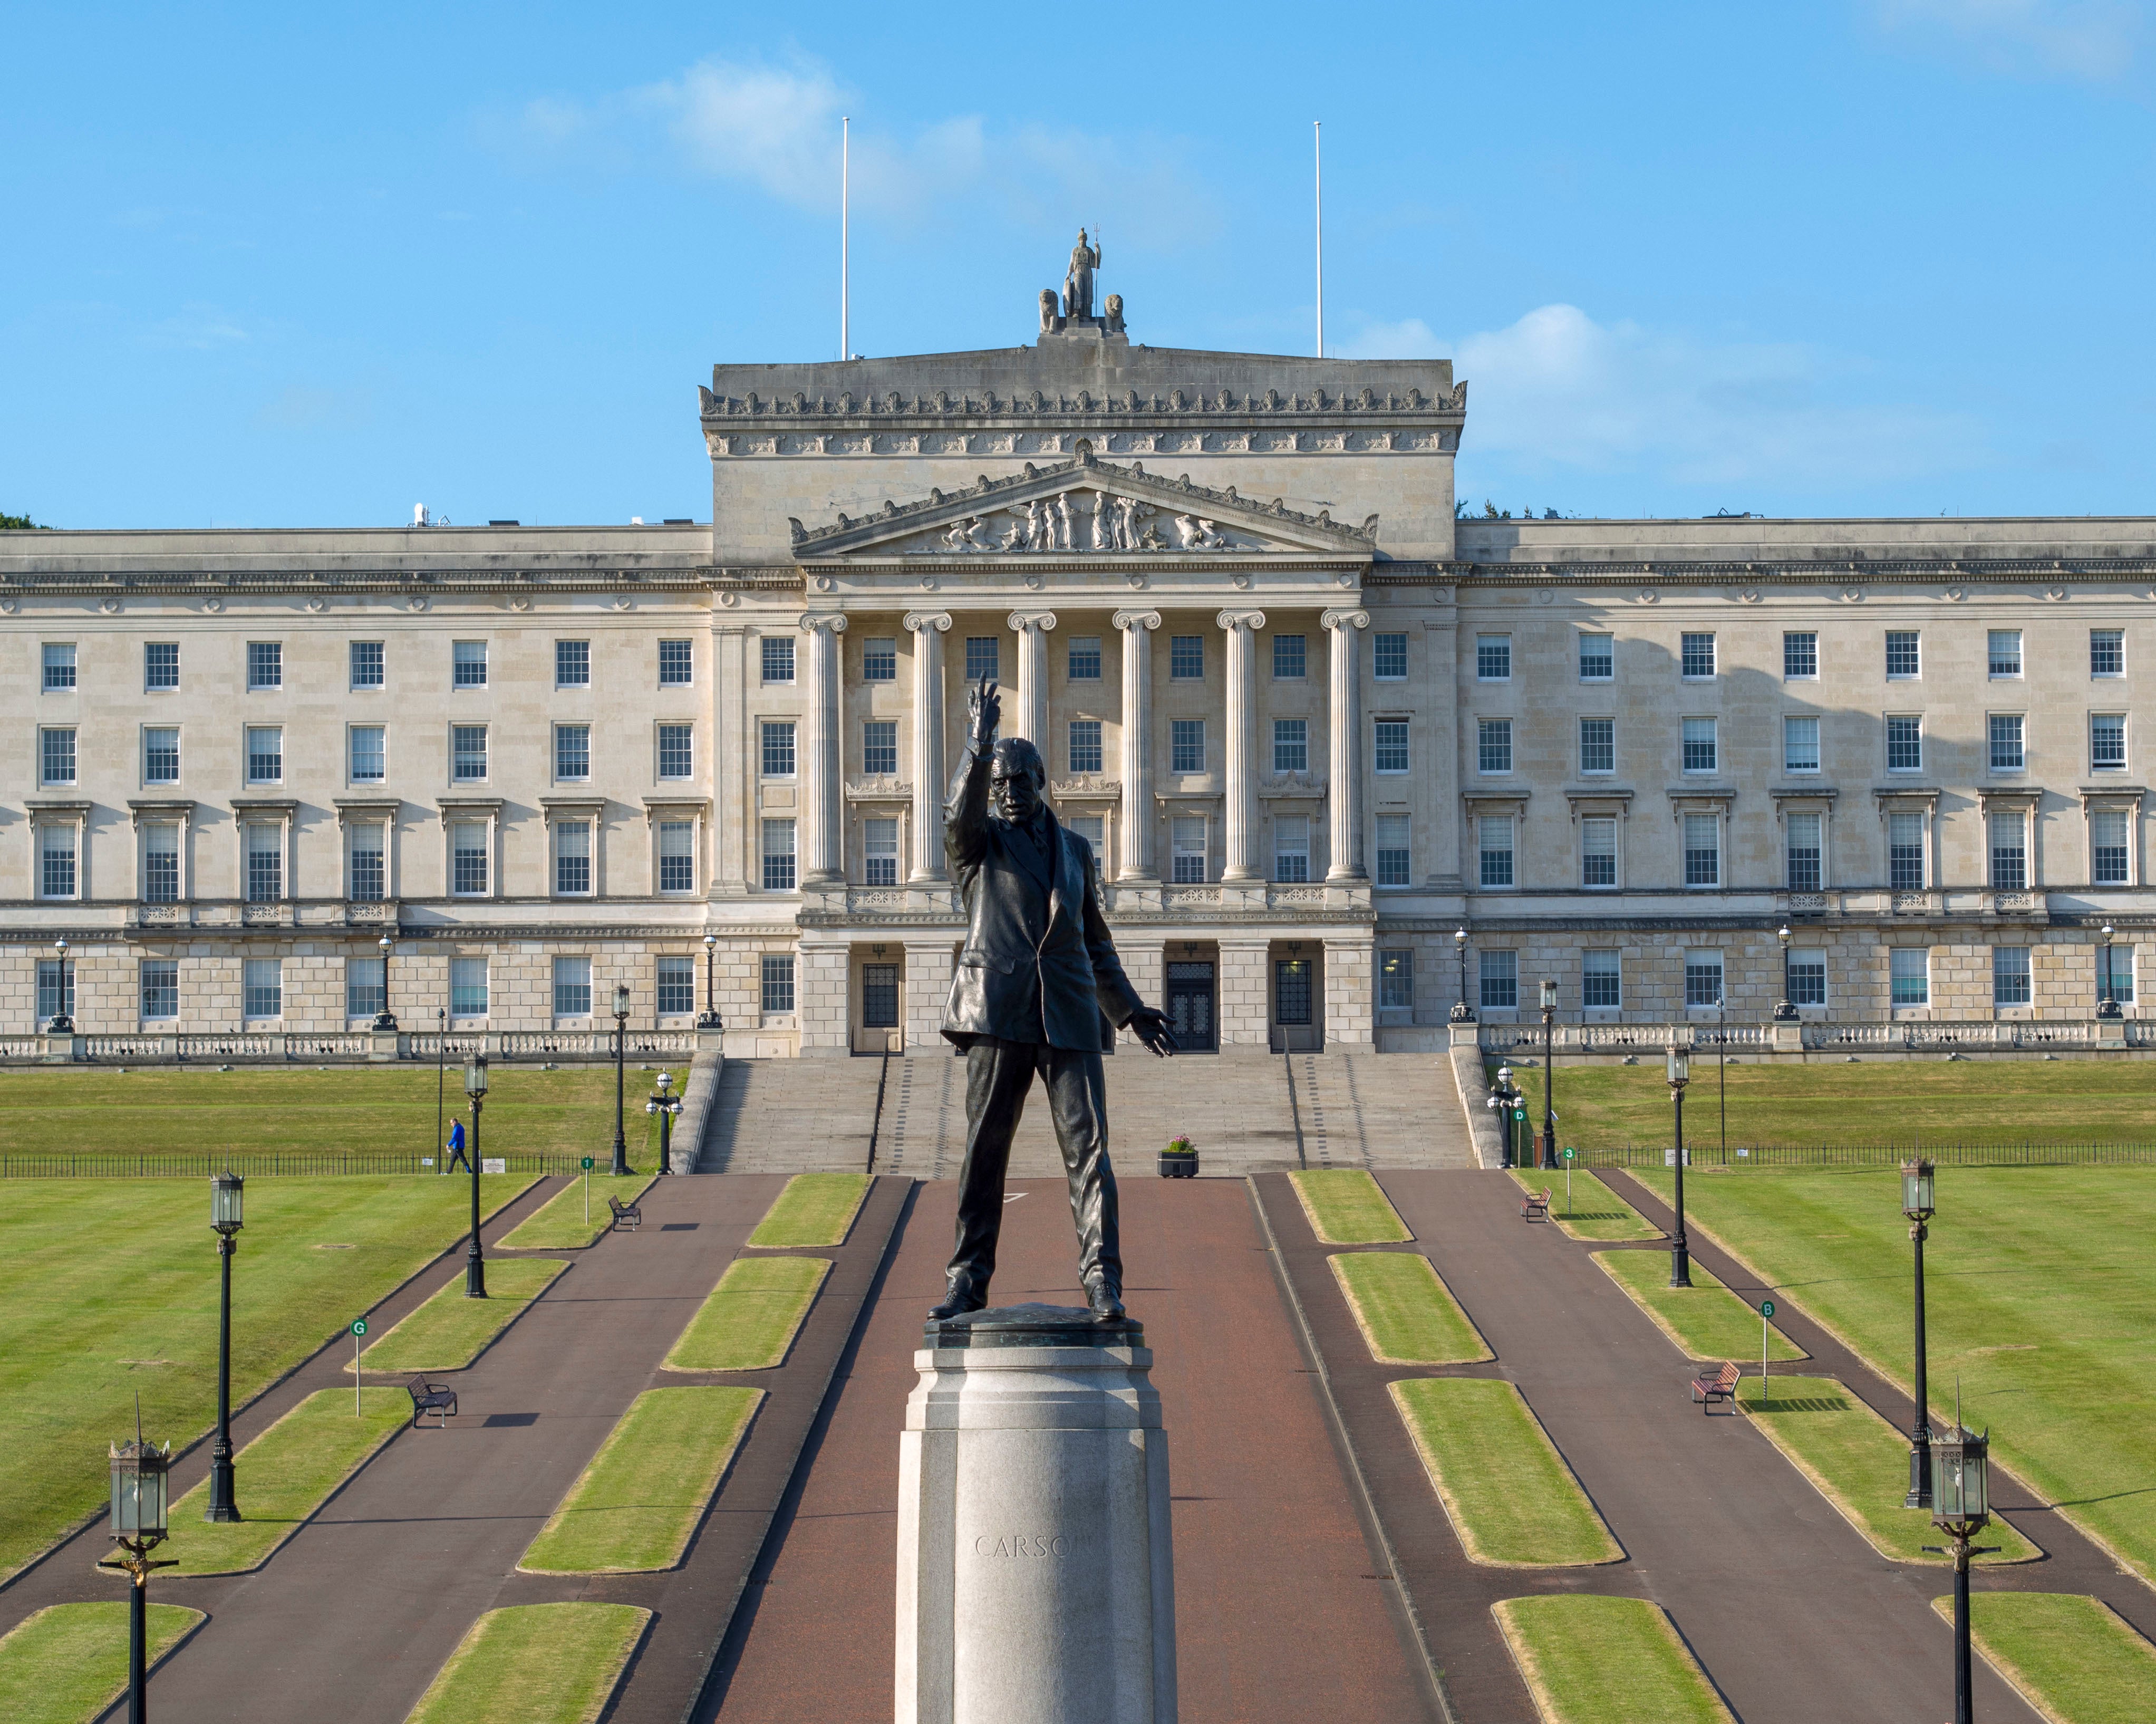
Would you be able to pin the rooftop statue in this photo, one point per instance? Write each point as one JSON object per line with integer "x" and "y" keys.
{"x": 1078, "y": 282}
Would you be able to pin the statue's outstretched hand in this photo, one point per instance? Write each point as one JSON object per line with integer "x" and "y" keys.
{"x": 1150, "y": 1025}
{"x": 984, "y": 711}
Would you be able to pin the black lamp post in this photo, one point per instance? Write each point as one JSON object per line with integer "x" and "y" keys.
{"x": 2108, "y": 1006}
{"x": 665, "y": 1104}
{"x": 711, "y": 1020}
{"x": 1961, "y": 1508}
{"x": 384, "y": 1019}
{"x": 1784, "y": 1011}
{"x": 474, "y": 1262}
{"x": 620, "y": 1043}
{"x": 63, "y": 1024}
{"x": 139, "y": 1500}
{"x": 226, "y": 1195}
{"x": 1916, "y": 1204}
{"x": 1462, "y": 1013}
{"x": 1549, "y": 1074}
{"x": 1679, "y": 1075}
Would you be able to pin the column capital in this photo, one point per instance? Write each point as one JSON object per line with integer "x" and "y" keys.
{"x": 1021, "y": 621}
{"x": 1233, "y": 619}
{"x": 835, "y": 620}
{"x": 918, "y": 622}
{"x": 1135, "y": 619}
{"x": 1343, "y": 619}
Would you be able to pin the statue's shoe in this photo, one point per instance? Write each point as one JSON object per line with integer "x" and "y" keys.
{"x": 956, "y": 1302}
{"x": 1106, "y": 1306}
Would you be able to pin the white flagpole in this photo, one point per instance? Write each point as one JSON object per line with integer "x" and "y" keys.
{"x": 846, "y": 168}
{"x": 1318, "y": 165}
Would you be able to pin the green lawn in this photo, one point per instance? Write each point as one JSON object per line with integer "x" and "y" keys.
{"x": 109, "y": 1287}
{"x": 633, "y": 1507}
{"x": 1860, "y": 1464}
{"x": 747, "y": 1322}
{"x": 1709, "y": 1322}
{"x": 1405, "y": 1312}
{"x": 1511, "y": 1497}
{"x": 1346, "y": 1207}
{"x": 560, "y": 1224}
{"x": 69, "y": 1662}
{"x": 198, "y": 1108}
{"x": 283, "y": 1476}
{"x": 1592, "y": 1211}
{"x": 449, "y": 1330}
{"x": 2041, "y": 1304}
{"x": 2074, "y": 1658}
{"x": 814, "y": 1209}
{"x": 1966, "y": 1101}
{"x": 534, "y": 1663}
{"x": 1595, "y": 1661}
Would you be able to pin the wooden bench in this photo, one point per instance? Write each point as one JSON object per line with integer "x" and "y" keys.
{"x": 1534, "y": 1205}
{"x": 1720, "y": 1387}
{"x": 432, "y": 1397}
{"x": 625, "y": 1214}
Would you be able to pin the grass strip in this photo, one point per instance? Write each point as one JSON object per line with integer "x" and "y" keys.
{"x": 282, "y": 1477}
{"x": 69, "y": 1662}
{"x": 449, "y": 1331}
{"x": 814, "y": 1209}
{"x": 631, "y": 1510}
{"x": 1346, "y": 1206}
{"x": 1405, "y": 1312}
{"x": 534, "y": 1663}
{"x": 1595, "y": 1213}
{"x": 1509, "y": 1494}
{"x": 1709, "y": 1322}
{"x": 2075, "y": 1659}
{"x": 748, "y": 1321}
{"x": 1860, "y": 1464}
{"x": 1597, "y": 1660}
{"x": 560, "y": 1224}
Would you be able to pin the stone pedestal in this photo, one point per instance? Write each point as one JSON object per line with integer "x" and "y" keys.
{"x": 1035, "y": 1581}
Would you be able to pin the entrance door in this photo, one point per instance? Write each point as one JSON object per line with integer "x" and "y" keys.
{"x": 1294, "y": 1028}
{"x": 1190, "y": 1012}
{"x": 880, "y": 1027}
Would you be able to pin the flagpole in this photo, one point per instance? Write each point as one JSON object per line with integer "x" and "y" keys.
{"x": 845, "y": 177}
{"x": 1317, "y": 180}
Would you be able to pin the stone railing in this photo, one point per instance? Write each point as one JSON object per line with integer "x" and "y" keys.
{"x": 1523, "y": 1037}
{"x": 1524, "y": 1040}
{"x": 347, "y": 1047}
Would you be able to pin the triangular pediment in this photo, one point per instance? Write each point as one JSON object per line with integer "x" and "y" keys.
{"x": 1084, "y": 506}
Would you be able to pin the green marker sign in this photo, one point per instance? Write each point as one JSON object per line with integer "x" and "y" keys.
{"x": 359, "y": 1325}
{"x": 1766, "y": 1308}
{"x": 1568, "y": 1155}
{"x": 587, "y": 1164}
{"x": 1519, "y": 1112}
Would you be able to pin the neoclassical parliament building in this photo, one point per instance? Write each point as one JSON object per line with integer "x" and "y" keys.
{"x": 1316, "y": 726}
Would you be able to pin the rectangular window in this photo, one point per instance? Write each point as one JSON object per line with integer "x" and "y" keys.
{"x": 1291, "y": 658}
{"x": 677, "y": 663}
{"x": 1389, "y": 657}
{"x": 2010, "y": 975}
{"x": 1494, "y": 833}
{"x": 777, "y": 983}
{"x": 1083, "y": 664}
{"x": 572, "y": 857}
{"x": 160, "y": 666}
{"x": 55, "y": 989}
{"x": 265, "y": 863}
{"x": 1597, "y": 744}
{"x": 880, "y": 852}
{"x": 572, "y": 987}
{"x": 1803, "y": 850}
{"x": 2107, "y": 652}
{"x": 984, "y": 658}
{"x": 1697, "y": 656}
{"x": 160, "y": 757}
{"x": 1084, "y": 744}
{"x": 573, "y": 753}
{"x": 1186, "y": 657}
{"x": 1396, "y": 982}
{"x": 60, "y": 667}
{"x": 1493, "y": 658}
{"x": 572, "y": 664}
{"x": 1501, "y": 981}
{"x": 1905, "y": 742}
{"x": 880, "y": 659}
{"x": 677, "y": 856}
{"x": 676, "y": 986}
{"x": 1800, "y": 653}
{"x": 1493, "y": 745}
{"x": 468, "y": 664}
{"x": 1909, "y": 975}
{"x": 266, "y": 753}
{"x": 1392, "y": 848}
{"x": 1186, "y": 745}
{"x": 2008, "y": 751}
{"x": 265, "y": 664}
{"x": 265, "y": 982}
{"x": 1093, "y": 829}
{"x": 1598, "y": 850}
{"x": 778, "y": 735}
{"x": 364, "y": 658}
{"x": 368, "y": 759}
{"x": 2109, "y": 837}
{"x": 1702, "y": 850}
{"x": 159, "y": 989}
{"x": 778, "y": 658}
{"x": 468, "y": 987}
{"x": 1389, "y": 746}
{"x": 1902, "y": 661}
{"x": 1800, "y": 744}
{"x": 1601, "y": 980}
{"x": 160, "y": 863}
{"x": 2106, "y": 742}
{"x": 468, "y": 752}
{"x": 677, "y": 751}
{"x": 1187, "y": 865}
{"x": 468, "y": 858}
{"x": 1290, "y": 745}
{"x": 1905, "y": 853}
{"x": 56, "y": 873}
{"x": 365, "y": 877}
{"x": 1291, "y": 849}
{"x": 1703, "y": 979}
{"x": 2004, "y": 652}
{"x": 1700, "y": 751}
{"x": 56, "y": 757}
{"x": 1598, "y": 658}
{"x": 778, "y": 856}
{"x": 2010, "y": 851}
{"x": 364, "y": 988}
{"x": 1807, "y": 976}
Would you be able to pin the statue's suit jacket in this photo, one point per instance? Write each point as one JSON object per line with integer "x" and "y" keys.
{"x": 1038, "y": 964}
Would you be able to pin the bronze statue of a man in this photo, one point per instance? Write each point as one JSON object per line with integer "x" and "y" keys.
{"x": 1038, "y": 983}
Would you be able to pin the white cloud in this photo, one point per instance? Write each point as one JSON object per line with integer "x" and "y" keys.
{"x": 2095, "y": 40}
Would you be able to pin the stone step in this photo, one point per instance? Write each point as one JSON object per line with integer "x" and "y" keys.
{"x": 792, "y": 1116}
{"x": 1379, "y": 1110}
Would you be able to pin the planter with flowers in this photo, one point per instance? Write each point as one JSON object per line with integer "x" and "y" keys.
{"x": 1179, "y": 1160}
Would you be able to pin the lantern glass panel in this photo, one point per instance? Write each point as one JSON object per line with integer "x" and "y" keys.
{"x": 475, "y": 1075}
{"x": 621, "y": 1000}
{"x": 1680, "y": 1066}
{"x": 138, "y": 1492}
{"x": 1549, "y": 997}
{"x": 1959, "y": 1490}
{"x": 226, "y": 1202}
{"x": 1916, "y": 1190}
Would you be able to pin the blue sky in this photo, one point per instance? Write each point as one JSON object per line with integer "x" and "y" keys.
{"x": 288, "y": 266}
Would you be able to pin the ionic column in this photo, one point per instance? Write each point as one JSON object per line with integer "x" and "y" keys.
{"x": 823, "y": 858}
{"x": 1030, "y": 720}
{"x": 1343, "y": 723}
{"x": 1135, "y": 859}
{"x": 1243, "y": 862}
{"x": 928, "y": 628}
